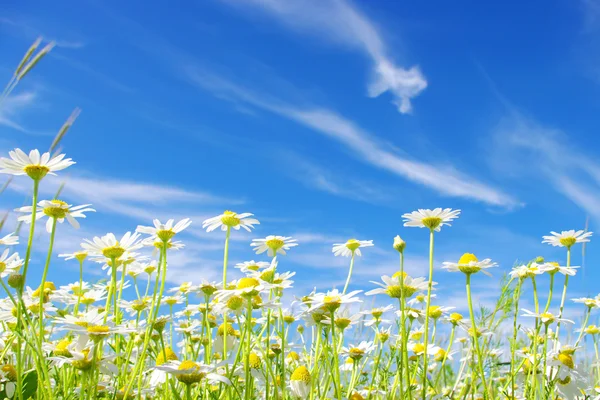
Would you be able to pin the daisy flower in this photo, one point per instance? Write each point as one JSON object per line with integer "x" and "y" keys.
{"x": 547, "y": 318}
{"x": 78, "y": 255}
{"x": 567, "y": 238}
{"x": 230, "y": 219}
{"x": 109, "y": 247}
{"x": 432, "y": 219}
{"x": 554, "y": 267}
{"x": 252, "y": 265}
{"x": 526, "y": 271}
{"x": 300, "y": 382}
{"x": 356, "y": 352}
{"x": 273, "y": 245}
{"x": 589, "y": 302}
{"x": 55, "y": 209}
{"x": 392, "y": 287}
{"x": 166, "y": 231}
{"x": 332, "y": 300}
{"x": 9, "y": 264}
{"x": 33, "y": 165}
{"x": 351, "y": 247}
{"x": 419, "y": 349}
{"x": 469, "y": 264}
{"x": 9, "y": 240}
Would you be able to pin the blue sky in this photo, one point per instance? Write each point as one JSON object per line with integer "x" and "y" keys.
{"x": 326, "y": 119}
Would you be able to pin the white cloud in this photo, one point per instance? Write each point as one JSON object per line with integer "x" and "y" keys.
{"x": 338, "y": 21}
{"x": 445, "y": 179}
{"x": 12, "y": 106}
{"x": 549, "y": 153}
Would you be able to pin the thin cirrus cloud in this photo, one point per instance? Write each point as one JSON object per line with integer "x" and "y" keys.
{"x": 445, "y": 179}
{"x": 338, "y": 21}
{"x": 552, "y": 158}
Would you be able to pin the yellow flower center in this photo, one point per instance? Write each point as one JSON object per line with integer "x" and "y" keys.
{"x": 171, "y": 356}
{"x": 435, "y": 312}
{"x": 10, "y": 372}
{"x": 292, "y": 355}
{"x": 568, "y": 241}
{"x": 275, "y": 244}
{"x": 465, "y": 261}
{"x": 208, "y": 289}
{"x": 439, "y": 356}
{"x": 395, "y": 291}
{"x": 61, "y": 348}
{"x": 165, "y": 234}
{"x": 352, "y": 245}
{"x": 288, "y": 319}
{"x": 332, "y": 303}
{"x": 2, "y": 266}
{"x": 230, "y": 218}
{"x": 268, "y": 275}
{"x": 58, "y": 209}
{"x": 566, "y": 360}
{"x": 377, "y": 313}
{"x": 194, "y": 376}
{"x": 418, "y": 348}
{"x": 98, "y": 330}
{"x": 246, "y": 283}
{"x": 230, "y": 330}
{"x": 254, "y": 361}
{"x": 342, "y": 323}
{"x": 301, "y": 374}
{"x": 113, "y": 252}
{"x": 556, "y": 267}
{"x": 564, "y": 381}
{"x": 36, "y": 172}
{"x": 431, "y": 222}
{"x": 592, "y": 330}
{"x": 398, "y": 273}
{"x": 235, "y": 303}
{"x": 455, "y": 318}
{"x": 549, "y": 318}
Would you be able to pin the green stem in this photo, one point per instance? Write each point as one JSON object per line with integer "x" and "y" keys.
{"x": 349, "y": 273}
{"x": 563, "y": 299}
{"x": 429, "y": 288}
{"x": 475, "y": 337}
{"x": 42, "y": 288}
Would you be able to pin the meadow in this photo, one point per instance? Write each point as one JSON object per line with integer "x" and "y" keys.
{"x": 135, "y": 336}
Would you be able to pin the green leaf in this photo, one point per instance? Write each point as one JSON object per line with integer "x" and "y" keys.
{"x": 30, "y": 384}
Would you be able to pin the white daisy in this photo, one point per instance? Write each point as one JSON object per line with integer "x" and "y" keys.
{"x": 332, "y": 300}
{"x": 469, "y": 264}
{"x": 351, "y": 247}
{"x": 55, "y": 209}
{"x": 567, "y": 238}
{"x": 526, "y": 271}
{"x": 547, "y": 318}
{"x": 247, "y": 266}
{"x": 9, "y": 264}
{"x": 392, "y": 287}
{"x": 78, "y": 255}
{"x": 554, "y": 267}
{"x": 166, "y": 231}
{"x": 9, "y": 240}
{"x": 588, "y": 301}
{"x": 356, "y": 352}
{"x": 273, "y": 245}
{"x": 34, "y": 165}
{"x": 108, "y": 246}
{"x": 230, "y": 219}
{"x": 432, "y": 219}
{"x": 300, "y": 382}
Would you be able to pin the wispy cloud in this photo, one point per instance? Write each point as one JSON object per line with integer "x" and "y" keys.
{"x": 13, "y": 106}
{"x": 445, "y": 179}
{"x": 132, "y": 199}
{"x": 28, "y": 31}
{"x": 548, "y": 153}
{"x": 324, "y": 179}
{"x": 340, "y": 22}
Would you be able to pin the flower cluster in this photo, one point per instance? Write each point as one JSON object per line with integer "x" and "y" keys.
{"x": 131, "y": 335}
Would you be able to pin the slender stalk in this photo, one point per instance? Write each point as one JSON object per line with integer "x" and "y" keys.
{"x": 476, "y": 337}
{"x": 429, "y": 288}
{"x": 563, "y": 299}
{"x": 42, "y": 288}
{"x": 349, "y": 273}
